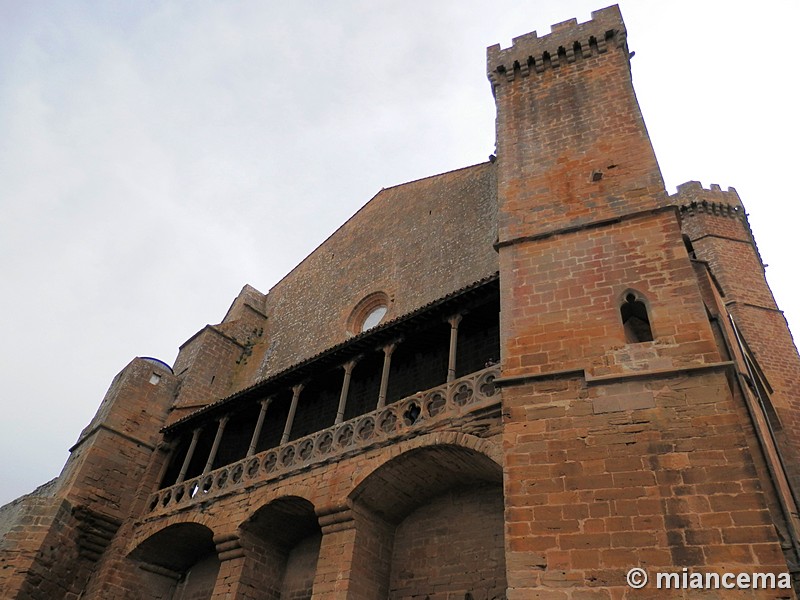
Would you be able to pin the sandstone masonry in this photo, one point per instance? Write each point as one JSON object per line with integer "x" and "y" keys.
{"x": 515, "y": 380}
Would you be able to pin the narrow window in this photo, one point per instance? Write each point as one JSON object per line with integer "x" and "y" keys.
{"x": 689, "y": 246}
{"x": 635, "y": 320}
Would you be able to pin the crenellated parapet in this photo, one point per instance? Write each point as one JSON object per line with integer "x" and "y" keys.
{"x": 566, "y": 43}
{"x": 692, "y": 197}
{"x": 715, "y": 224}
{"x": 700, "y": 208}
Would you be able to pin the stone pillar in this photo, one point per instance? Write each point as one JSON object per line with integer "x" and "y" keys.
{"x": 354, "y": 556}
{"x": 287, "y": 430}
{"x": 259, "y": 424}
{"x": 348, "y": 372}
{"x": 451, "y": 362}
{"x": 215, "y": 446}
{"x": 388, "y": 349}
{"x": 250, "y": 567}
{"x": 189, "y": 455}
{"x": 231, "y": 566}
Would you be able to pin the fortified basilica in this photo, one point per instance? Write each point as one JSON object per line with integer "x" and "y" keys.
{"x": 515, "y": 380}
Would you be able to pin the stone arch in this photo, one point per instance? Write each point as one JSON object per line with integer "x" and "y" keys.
{"x": 154, "y": 527}
{"x": 470, "y": 443}
{"x": 177, "y": 561}
{"x": 281, "y": 541}
{"x": 263, "y": 497}
{"x": 435, "y": 513}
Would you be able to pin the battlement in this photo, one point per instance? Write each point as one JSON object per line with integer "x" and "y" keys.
{"x": 567, "y": 42}
{"x": 694, "y": 200}
{"x": 693, "y": 197}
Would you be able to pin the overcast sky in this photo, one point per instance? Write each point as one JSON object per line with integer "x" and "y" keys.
{"x": 155, "y": 156}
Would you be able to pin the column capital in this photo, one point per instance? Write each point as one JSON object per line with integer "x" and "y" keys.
{"x": 455, "y": 319}
{"x": 350, "y": 364}
{"x": 389, "y": 348}
{"x": 167, "y": 446}
{"x": 338, "y": 518}
{"x": 228, "y": 546}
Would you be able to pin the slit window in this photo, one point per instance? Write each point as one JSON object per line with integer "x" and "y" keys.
{"x": 635, "y": 320}
{"x": 689, "y": 247}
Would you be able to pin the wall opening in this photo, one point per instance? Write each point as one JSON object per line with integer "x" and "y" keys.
{"x": 635, "y": 320}
{"x": 177, "y": 563}
{"x": 316, "y": 408}
{"x": 364, "y": 386}
{"x": 282, "y": 540}
{"x": 441, "y": 532}
{"x": 237, "y": 435}
{"x": 479, "y": 338}
{"x": 419, "y": 363}
{"x": 687, "y": 242}
{"x": 457, "y": 538}
{"x": 199, "y": 456}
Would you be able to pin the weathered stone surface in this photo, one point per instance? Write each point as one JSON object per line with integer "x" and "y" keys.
{"x": 555, "y": 394}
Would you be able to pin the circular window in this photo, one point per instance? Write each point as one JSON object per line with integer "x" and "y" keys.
{"x": 368, "y": 313}
{"x": 374, "y": 317}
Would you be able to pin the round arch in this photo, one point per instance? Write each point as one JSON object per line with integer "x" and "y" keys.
{"x": 282, "y": 539}
{"x": 155, "y": 528}
{"x": 178, "y": 560}
{"x": 175, "y": 547}
{"x": 426, "y": 467}
{"x": 284, "y": 520}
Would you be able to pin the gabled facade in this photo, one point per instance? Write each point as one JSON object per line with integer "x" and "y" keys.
{"x": 515, "y": 380}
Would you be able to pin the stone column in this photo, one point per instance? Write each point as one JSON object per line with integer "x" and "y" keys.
{"x": 388, "y": 349}
{"x": 215, "y": 446}
{"x": 287, "y": 430}
{"x": 451, "y": 362}
{"x": 348, "y": 372}
{"x": 189, "y": 455}
{"x": 259, "y": 424}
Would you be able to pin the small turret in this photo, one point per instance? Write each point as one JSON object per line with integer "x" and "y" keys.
{"x": 715, "y": 223}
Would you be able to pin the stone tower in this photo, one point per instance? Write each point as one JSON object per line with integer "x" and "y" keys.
{"x": 626, "y": 437}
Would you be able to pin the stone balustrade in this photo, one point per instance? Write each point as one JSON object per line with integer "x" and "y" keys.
{"x": 414, "y": 413}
